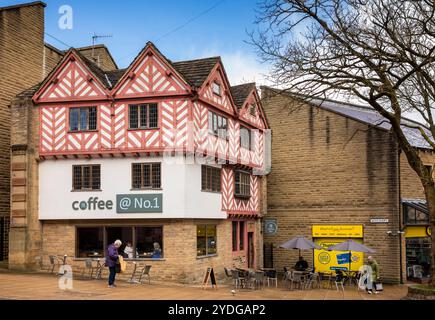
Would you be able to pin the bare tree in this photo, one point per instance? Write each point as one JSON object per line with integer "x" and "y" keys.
{"x": 381, "y": 51}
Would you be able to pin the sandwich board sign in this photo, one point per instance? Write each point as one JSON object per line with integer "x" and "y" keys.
{"x": 209, "y": 276}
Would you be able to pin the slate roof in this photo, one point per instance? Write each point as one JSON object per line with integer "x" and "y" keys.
{"x": 196, "y": 71}
{"x": 240, "y": 93}
{"x": 368, "y": 115}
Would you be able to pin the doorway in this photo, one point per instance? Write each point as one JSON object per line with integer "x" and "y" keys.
{"x": 251, "y": 251}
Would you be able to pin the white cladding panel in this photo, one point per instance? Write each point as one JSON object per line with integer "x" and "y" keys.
{"x": 181, "y": 190}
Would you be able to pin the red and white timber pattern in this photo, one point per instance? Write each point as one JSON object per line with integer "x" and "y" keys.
{"x": 151, "y": 76}
{"x": 238, "y": 206}
{"x": 53, "y": 129}
{"x": 200, "y": 116}
{"x": 222, "y": 101}
{"x": 175, "y": 121}
{"x": 120, "y": 126}
{"x": 105, "y": 128}
{"x": 73, "y": 82}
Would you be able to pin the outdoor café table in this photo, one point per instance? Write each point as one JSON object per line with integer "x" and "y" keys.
{"x": 244, "y": 276}
{"x": 350, "y": 276}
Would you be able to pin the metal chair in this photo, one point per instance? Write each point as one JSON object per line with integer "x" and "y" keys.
{"x": 258, "y": 279}
{"x": 89, "y": 266}
{"x": 228, "y": 273}
{"x": 145, "y": 272}
{"x": 237, "y": 279}
{"x": 339, "y": 281}
{"x": 271, "y": 277}
{"x": 313, "y": 278}
{"x": 298, "y": 278}
{"x": 284, "y": 276}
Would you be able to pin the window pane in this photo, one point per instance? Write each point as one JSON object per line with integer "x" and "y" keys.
{"x": 133, "y": 117}
{"x": 146, "y": 176}
{"x": 89, "y": 242}
{"x": 211, "y": 239}
{"x": 74, "y": 119}
{"x": 153, "y": 114}
{"x": 93, "y": 118}
{"x": 149, "y": 242}
{"x": 136, "y": 176}
{"x": 143, "y": 113}
{"x": 234, "y": 235}
{"x": 203, "y": 177}
{"x": 77, "y": 177}
{"x": 83, "y": 118}
{"x": 201, "y": 240}
{"x": 218, "y": 179}
{"x": 242, "y": 235}
{"x": 210, "y": 122}
{"x": 156, "y": 175}
{"x": 96, "y": 177}
{"x": 86, "y": 172}
{"x": 215, "y": 124}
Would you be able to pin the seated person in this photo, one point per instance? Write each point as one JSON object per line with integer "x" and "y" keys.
{"x": 301, "y": 265}
{"x": 157, "y": 253}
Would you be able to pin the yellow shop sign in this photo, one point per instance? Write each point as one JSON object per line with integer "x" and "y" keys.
{"x": 337, "y": 231}
{"x": 417, "y": 232}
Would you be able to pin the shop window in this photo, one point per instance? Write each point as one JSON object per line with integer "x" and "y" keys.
{"x": 125, "y": 234}
{"x": 245, "y": 138}
{"x": 242, "y": 184}
{"x": 149, "y": 242}
{"x": 206, "y": 240}
{"x": 83, "y": 119}
{"x": 210, "y": 179}
{"x": 86, "y": 177}
{"x": 143, "y": 116}
{"x": 217, "y": 125}
{"x": 146, "y": 175}
{"x": 413, "y": 216}
{"x": 90, "y": 242}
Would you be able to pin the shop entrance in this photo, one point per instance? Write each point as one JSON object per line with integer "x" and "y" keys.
{"x": 250, "y": 250}
{"x": 4, "y": 238}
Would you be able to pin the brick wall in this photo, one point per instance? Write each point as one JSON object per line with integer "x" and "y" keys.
{"x": 180, "y": 263}
{"x": 328, "y": 169}
{"x": 51, "y": 58}
{"x": 21, "y": 64}
{"x": 100, "y": 55}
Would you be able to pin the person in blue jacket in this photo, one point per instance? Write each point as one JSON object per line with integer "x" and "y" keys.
{"x": 112, "y": 259}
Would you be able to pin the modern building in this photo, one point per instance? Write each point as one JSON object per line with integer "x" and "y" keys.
{"x": 164, "y": 155}
{"x": 339, "y": 174}
{"x": 25, "y": 60}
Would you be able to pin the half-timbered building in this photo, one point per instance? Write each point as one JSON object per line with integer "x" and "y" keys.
{"x": 164, "y": 155}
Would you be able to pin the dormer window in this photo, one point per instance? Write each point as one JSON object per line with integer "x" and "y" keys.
{"x": 216, "y": 87}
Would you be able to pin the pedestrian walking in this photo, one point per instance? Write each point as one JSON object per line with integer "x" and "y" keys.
{"x": 112, "y": 259}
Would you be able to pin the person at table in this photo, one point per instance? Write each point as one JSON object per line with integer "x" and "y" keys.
{"x": 112, "y": 259}
{"x": 157, "y": 252}
{"x": 128, "y": 251}
{"x": 301, "y": 265}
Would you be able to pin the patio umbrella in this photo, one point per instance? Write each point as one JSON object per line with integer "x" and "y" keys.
{"x": 350, "y": 246}
{"x": 300, "y": 243}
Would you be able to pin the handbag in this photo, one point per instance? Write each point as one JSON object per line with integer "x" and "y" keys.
{"x": 122, "y": 264}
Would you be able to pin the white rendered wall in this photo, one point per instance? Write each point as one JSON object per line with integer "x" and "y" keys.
{"x": 181, "y": 190}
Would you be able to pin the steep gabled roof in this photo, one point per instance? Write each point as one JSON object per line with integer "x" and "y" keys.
{"x": 241, "y": 92}
{"x": 196, "y": 71}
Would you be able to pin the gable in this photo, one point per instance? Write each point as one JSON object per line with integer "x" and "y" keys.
{"x": 151, "y": 75}
{"x": 72, "y": 81}
{"x": 223, "y": 101}
{"x": 251, "y": 111}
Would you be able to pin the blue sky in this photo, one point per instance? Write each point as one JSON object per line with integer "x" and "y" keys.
{"x": 220, "y": 31}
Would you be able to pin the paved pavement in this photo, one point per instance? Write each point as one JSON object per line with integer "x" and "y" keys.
{"x": 46, "y": 287}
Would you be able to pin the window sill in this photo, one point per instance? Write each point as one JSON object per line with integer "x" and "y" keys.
{"x": 146, "y": 189}
{"x": 241, "y": 197}
{"x": 84, "y": 131}
{"x": 207, "y": 256}
{"x": 125, "y": 259}
{"x": 88, "y": 190}
{"x": 142, "y": 129}
{"x": 208, "y": 191}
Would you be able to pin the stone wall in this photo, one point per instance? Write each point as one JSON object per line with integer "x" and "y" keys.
{"x": 329, "y": 169}
{"x": 21, "y": 65}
